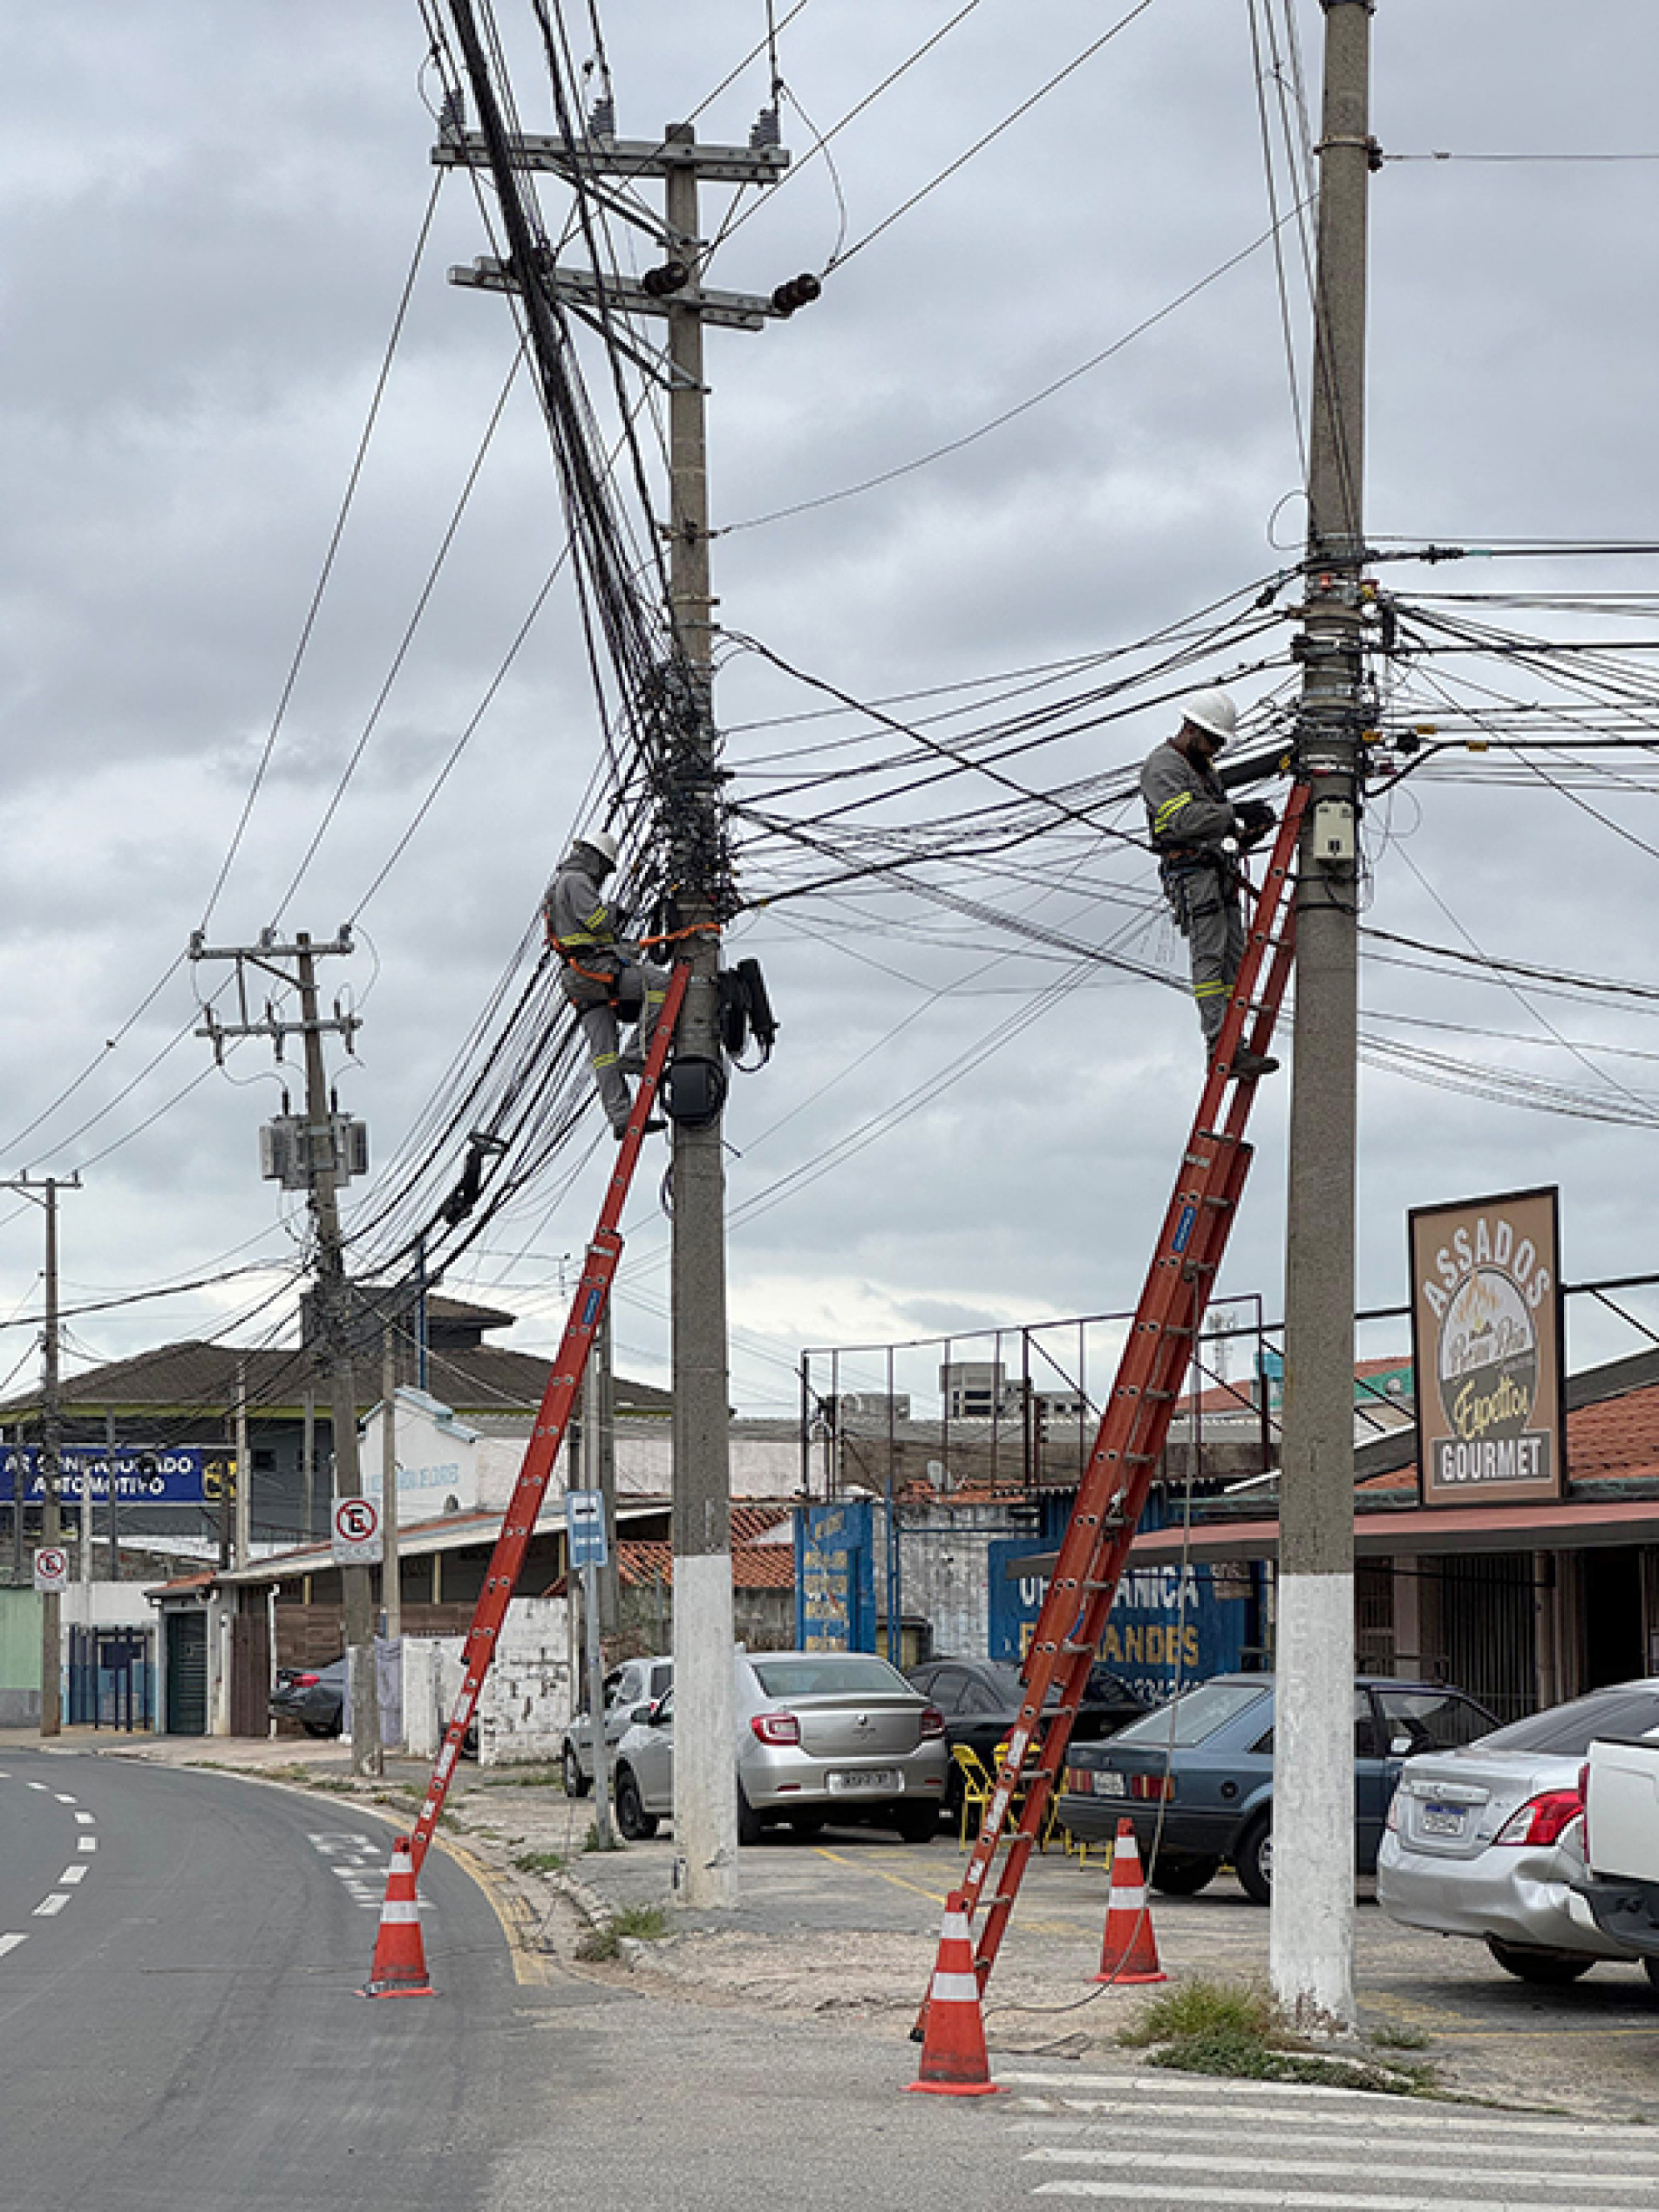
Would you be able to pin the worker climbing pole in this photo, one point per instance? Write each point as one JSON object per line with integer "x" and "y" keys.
{"x": 1135, "y": 1423}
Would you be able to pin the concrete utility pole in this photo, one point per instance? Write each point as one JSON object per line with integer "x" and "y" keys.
{"x": 243, "y": 1520}
{"x": 600, "y": 1390}
{"x": 45, "y": 1190}
{"x": 315, "y": 1157}
{"x": 392, "y": 1595}
{"x": 705, "y": 1812}
{"x": 1312, "y": 1932}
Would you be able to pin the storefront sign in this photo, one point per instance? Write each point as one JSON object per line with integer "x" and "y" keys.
{"x": 1486, "y": 1342}
{"x": 835, "y": 1577}
{"x": 1168, "y": 1626}
{"x": 181, "y": 1474}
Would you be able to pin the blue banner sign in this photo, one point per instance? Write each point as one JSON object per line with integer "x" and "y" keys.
{"x": 835, "y": 1577}
{"x": 1168, "y": 1626}
{"x": 183, "y": 1475}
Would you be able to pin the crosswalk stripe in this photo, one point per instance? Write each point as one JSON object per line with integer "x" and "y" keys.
{"x": 1327, "y": 2136}
{"x": 1316, "y": 2200}
{"x": 1126, "y": 2161}
{"x": 10, "y": 1943}
{"x": 1375, "y": 2129}
{"x": 55, "y": 1904}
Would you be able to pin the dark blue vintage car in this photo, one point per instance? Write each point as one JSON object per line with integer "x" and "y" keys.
{"x": 1196, "y": 1776}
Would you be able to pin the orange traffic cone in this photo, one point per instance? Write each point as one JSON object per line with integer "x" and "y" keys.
{"x": 399, "y": 1968}
{"x": 1129, "y": 1951}
{"x": 954, "y": 2063}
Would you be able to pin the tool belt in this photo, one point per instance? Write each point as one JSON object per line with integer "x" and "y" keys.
{"x": 1194, "y": 860}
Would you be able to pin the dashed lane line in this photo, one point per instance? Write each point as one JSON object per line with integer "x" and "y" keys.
{"x": 86, "y": 1820}
{"x": 10, "y": 1943}
{"x": 61, "y": 1799}
{"x": 87, "y": 1843}
{"x": 74, "y": 1874}
{"x": 49, "y": 1906}
{"x": 35, "y": 1786}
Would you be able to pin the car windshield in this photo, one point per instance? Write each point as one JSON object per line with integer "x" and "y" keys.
{"x": 1567, "y": 1731}
{"x": 831, "y": 1674}
{"x": 1194, "y": 1717}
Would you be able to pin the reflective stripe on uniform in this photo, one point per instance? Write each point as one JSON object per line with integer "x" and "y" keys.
{"x": 1160, "y": 819}
{"x": 604, "y": 1059}
{"x": 1210, "y": 991}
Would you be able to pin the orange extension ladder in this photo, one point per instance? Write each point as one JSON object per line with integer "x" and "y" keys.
{"x": 593, "y": 1292}
{"x": 1136, "y": 1421}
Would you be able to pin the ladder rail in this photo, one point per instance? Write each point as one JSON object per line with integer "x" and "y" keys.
{"x": 552, "y": 1420}
{"x": 1136, "y": 1419}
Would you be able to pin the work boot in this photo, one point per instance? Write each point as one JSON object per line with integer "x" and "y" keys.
{"x": 1247, "y": 1065}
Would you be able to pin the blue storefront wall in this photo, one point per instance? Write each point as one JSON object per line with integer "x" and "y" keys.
{"x": 1168, "y": 1627}
{"x": 835, "y": 1577}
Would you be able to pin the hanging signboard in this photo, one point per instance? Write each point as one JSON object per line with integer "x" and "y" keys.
{"x": 1168, "y": 1627}
{"x": 182, "y": 1475}
{"x": 1487, "y": 1348}
{"x": 835, "y": 1577}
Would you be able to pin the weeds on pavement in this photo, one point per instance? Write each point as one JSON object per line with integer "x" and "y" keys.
{"x": 1235, "y": 2029}
{"x": 540, "y": 1861}
{"x": 647, "y": 1923}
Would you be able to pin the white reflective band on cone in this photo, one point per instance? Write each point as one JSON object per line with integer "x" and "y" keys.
{"x": 1125, "y": 1899}
{"x": 956, "y": 1989}
{"x": 399, "y": 1915}
{"x": 954, "y": 1929}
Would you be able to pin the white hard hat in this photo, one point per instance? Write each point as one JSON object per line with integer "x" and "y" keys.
{"x": 1214, "y": 712}
{"x": 600, "y": 841}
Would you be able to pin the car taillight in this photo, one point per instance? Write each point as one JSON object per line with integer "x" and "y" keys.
{"x": 933, "y": 1722}
{"x": 1541, "y": 1819}
{"x": 1584, "y": 1792}
{"x": 1156, "y": 1788}
{"x": 303, "y": 1681}
{"x": 776, "y": 1727}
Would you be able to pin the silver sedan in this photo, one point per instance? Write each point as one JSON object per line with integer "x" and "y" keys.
{"x": 821, "y": 1735}
{"x": 1488, "y": 1840}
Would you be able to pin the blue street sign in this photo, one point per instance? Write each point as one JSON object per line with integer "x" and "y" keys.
{"x": 585, "y": 1527}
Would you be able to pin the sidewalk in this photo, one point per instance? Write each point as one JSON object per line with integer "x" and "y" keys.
{"x": 847, "y": 1927}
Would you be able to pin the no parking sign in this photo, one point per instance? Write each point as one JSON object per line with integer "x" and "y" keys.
{"x": 357, "y": 1533}
{"x": 51, "y": 1568}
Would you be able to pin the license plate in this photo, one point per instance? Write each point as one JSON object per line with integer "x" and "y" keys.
{"x": 1106, "y": 1784}
{"x": 1442, "y": 1819}
{"x": 864, "y": 1778}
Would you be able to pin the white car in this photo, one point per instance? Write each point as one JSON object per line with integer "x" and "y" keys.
{"x": 1488, "y": 1840}
{"x": 628, "y": 1689}
{"x": 821, "y": 1735}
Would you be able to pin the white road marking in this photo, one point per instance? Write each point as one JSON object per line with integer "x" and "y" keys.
{"x": 361, "y": 1863}
{"x": 85, "y": 1819}
{"x": 1125, "y": 2161}
{"x": 1319, "y": 2200}
{"x": 55, "y": 1904}
{"x": 61, "y": 1799}
{"x": 10, "y": 1943}
{"x": 36, "y": 1785}
{"x": 87, "y": 1843}
{"x": 1575, "y": 2136}
{"x": 74, "y": 1874}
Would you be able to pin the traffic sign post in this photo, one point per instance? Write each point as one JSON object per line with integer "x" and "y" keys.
{"x": 357, "y": 1540}
{"x": 586, "y": 1549}
{"x": 585, "y": 1528}
{"x": 52, "y": 1570}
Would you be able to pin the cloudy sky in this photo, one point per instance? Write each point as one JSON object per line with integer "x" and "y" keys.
{"x": 207, "y": 217}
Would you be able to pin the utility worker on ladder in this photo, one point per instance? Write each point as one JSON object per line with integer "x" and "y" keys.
{"x": 603, "y": 974}
{"x": 1192, "y": 820}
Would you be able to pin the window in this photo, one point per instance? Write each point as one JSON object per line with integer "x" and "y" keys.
{"x": 1417, "y": 1720}
{"x": 947, "y": 1688}
{"x": 661, "y": 1676}
{"x": 1367, "y": 1742}
{"x": 1195, "y": 1717}
{"x": 1566, "y": 1732}
{"x": 831, "y": 1674}
{"x": 981, "y": 1697}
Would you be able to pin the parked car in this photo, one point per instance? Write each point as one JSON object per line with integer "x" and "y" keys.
{"x": 1621, "y": 1885}
{"x": 1196, "y": 1776}
{"x": 821, "y": 1735}
{"x": 1488, "y": 1841}
{"x": 627, "y": 1689}
{"x": 981, "y": 1701}
{"x": 313, "y": 1696}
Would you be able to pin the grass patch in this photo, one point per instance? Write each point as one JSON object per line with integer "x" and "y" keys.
{"x": 517, "y": 1777}
{"x": 1399, "y": 2035}
{"x": 540, "y": 1861}
{"x": 1234, "y": 2029}
{"x": 336, "y": 1784}
{"x": 591, "y": 1842}
{"x": 647, "y": 1923}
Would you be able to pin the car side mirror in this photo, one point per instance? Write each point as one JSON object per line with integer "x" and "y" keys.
{"x": 643, "y": 1713}
{"x": 1399, "y": 1747}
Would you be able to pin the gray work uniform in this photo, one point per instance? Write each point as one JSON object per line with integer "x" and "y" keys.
{"x": 1189, "y": 816}
{"x": 601, "y": 976}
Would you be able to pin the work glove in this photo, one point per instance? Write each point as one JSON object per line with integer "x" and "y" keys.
{"x": 1255, "y": 819}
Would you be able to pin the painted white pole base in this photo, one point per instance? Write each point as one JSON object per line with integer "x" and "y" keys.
{"x": 1311, "y": 1935}
{"x": 705, "y": 1786}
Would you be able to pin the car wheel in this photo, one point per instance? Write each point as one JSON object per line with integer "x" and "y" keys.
{"x": 1252, "y": 1860}
{"x": 321, "y": 1728}
{"x": 1651, "y": 1968}
{"x": 576, "y": 1783}
{"x": 748, "y": 1825}
{"x": 637, "y": 1825}
{"x": 916, "y": 1823}
{"x": 808, "y": 1824}
{"x": 1549, "y": 1969}
{"x": 1183, "y": 1877}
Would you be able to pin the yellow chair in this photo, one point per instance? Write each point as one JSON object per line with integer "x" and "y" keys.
{"x": 976, "y": 1785}
{"x": 1050, "y": 1821}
